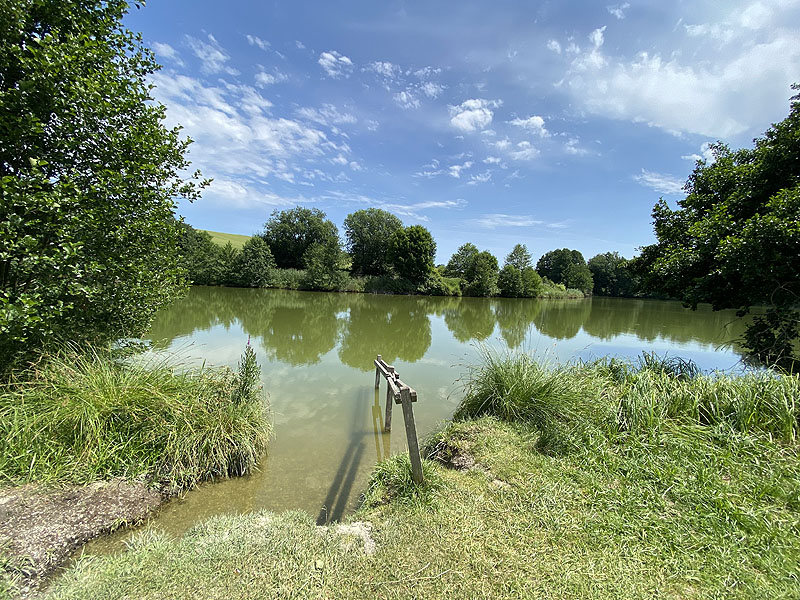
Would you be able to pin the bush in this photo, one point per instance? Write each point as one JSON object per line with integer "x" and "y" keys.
{"x": 436, "y": 285}
{"x": 288, "y": 279}
{"x": 84, "y": 417}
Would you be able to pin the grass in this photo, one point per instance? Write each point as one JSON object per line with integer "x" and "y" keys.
{"x": 80, "y": 417}
{"x": 236, "y": 240}
{"x": 673, "y": 484}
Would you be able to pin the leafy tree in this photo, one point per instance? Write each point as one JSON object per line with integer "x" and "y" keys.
{"x": 566, "y": 266}
{"x": 322, "y": 266}
{"x": 734, "y": 241}
{"x": 612, "y": 275}
{"x": 200, "y": 256}
{"x": 482, "y": 275}
{"x": 254, "y": 266}
{"x": 229, "y": 263}
{"x": 290, "y": 233}
{"x": 510, "y": 282}
{"x": 519, "y": 257}
{"x": 411, "y": 253}
{"x": 367, "y": 233}
{"x": 89, "y": 177}
{"x": 532, "y": 285}
{"x": 460, "y": 261}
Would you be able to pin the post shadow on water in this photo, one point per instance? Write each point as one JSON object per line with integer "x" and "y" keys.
{"x": 335, "y": 503}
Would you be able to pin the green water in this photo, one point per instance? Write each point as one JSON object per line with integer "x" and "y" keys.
{"x": 316, "y": 352}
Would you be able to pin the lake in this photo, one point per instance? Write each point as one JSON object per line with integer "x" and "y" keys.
{"x": 316, "y": 351}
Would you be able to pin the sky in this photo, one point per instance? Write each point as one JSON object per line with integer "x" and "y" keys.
{"x": 553, "y": 124}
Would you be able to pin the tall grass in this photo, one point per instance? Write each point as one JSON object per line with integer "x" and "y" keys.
{"x": 640, "y": 396}
{"x": 79, "y": 417}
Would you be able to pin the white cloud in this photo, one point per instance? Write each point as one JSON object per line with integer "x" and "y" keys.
{"x": 384, "y": 68}
{"x": 326, "y": 115}
{"x": 211, "y": 54}
{"x": 572, "y": 147}
{"x": 706, "y": 154}
{"x": 493, "y": 160}
{"x": 254, "y": 40}
{"x": 406, "y": 99}
{"x": 473, "y": 115}
{"x": 426, "y": 72}
{"x": 618, "y": 10}
{"x": 480, "y": 178}
{"x": 335, "y": 64}
{"x": 455, "y": 170}
{"x": 431, "y": 90}
{"x": 554, "y": 46}
{"x": 300, "y": 45}
{"x": 713, "y": 91}
{"x": 664, "y": 184}
{"x": 238, "y": 142}
{"x": 492, "y": 221}
{"x": 168, "y": 52}
{"x": 524, "y": 151}
{"x": 264, "y": 79}
{"x": 534, "y": 124}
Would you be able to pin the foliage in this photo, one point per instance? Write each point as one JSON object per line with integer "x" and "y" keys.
{"x": 509, "y": 282}
{"x": 411, "y": 253}
{"x": 89, "y": 177}
{"x": 230, "y": 257}
{"x": 482, "y": 275}
{"x": 367, "y": 233}
{"x": 254, "y": 266}
{"x": 84, "y": 417}
{"x": 612, "y": 275}
{"x": 290, "y": 233}
{"x": 566, "y": 266}
{"x": 734, "y": 241}
{"x": 460, "y": 261}
{"x": 322, "y": 266}
{"x": 519, "y": 257}
{"x": 515, "y": 283}
{"x": 436, "y": 285}
{"x": 199, "y": 256}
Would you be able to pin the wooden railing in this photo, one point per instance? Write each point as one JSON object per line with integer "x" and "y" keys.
{"x": 398, "y": 392}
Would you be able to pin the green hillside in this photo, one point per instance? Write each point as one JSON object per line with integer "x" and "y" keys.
{"x": 236, "y": 240}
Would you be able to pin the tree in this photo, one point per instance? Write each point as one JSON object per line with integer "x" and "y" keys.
{"x": 254, "y": 266}
{"x": 519, "y": 257}
{"x": 411, "y": 253}
{"x": 532, "y": 286}
{"x": 290, "y": 233}
{"x": 510, "y": 283}
{"x": 322, "y": 266}
{"x": 89, "y": 177}
{"x": 482, "y": 275}
{"x": 460, "y": 261}
{"x": 566, "y": 266}
{"x": 367, "y": 233}
{"x": 200, "y": 257}
{"x": 734, "y": 241}
{"x": 612, "y": 275}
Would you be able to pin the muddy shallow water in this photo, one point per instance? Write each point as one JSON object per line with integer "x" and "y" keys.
{"x": 316, "y": 351}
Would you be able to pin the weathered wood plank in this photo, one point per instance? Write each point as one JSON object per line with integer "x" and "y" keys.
{"x": 387, "y": 419}
{"x": 411, "y": 435}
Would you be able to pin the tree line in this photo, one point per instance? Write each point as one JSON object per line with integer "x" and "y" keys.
{"x": 300, "y": 248}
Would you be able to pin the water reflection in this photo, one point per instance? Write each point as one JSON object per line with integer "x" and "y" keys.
{"x": 396, "y": 330}
{"x": 299, "y": 328}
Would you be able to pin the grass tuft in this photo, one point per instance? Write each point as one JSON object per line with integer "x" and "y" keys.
{"x": 391, "y": 482}
{"x": 80, "y": 417}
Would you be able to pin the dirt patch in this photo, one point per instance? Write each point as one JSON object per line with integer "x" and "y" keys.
{"x": 41, "y": 526}
{"x": 454, "y": 457}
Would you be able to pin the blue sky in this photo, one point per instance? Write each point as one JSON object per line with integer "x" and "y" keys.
{"x": 553, "y": 124}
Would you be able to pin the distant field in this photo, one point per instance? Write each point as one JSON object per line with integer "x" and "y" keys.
{"x": 236, "y": 240}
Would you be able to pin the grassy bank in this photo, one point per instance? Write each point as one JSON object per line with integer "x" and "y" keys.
{"x": 607, "y": 480}
{"x": 76, "y": 418}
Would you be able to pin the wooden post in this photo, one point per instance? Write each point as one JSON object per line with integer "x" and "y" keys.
{"x": 411, "y": 434}
{"x": 387, "y": 419}
{"x": 378, "y": 373}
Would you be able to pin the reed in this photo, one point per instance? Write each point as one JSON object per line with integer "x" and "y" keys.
{"x": 79, "y": 417}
